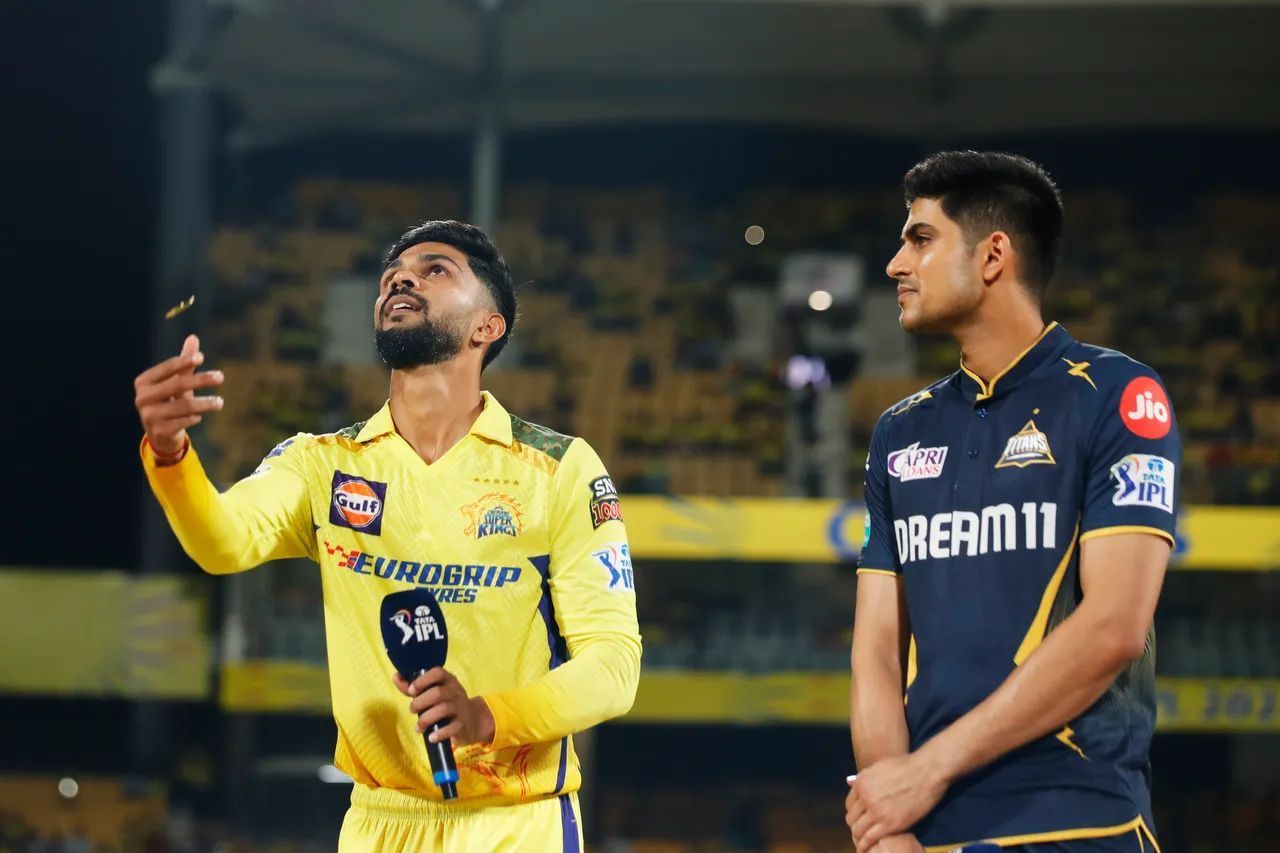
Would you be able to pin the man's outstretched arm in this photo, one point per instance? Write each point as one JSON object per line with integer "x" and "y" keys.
{"x": 264, "y": 517}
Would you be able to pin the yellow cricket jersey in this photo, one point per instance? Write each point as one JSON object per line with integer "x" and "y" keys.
{"x": 518, "y": 532}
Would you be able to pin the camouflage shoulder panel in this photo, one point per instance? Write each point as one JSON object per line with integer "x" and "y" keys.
{"x": 548, "y": 441}
{"x": 352, "y": 431}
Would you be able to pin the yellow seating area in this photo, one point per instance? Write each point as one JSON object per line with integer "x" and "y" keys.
{"x": 624, "y": 293}
{"x": 103, "y": 810}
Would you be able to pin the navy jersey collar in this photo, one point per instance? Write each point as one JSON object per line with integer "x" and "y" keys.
{"x": 1053, "y": 339}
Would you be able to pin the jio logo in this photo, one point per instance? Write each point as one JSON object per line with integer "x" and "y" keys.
{"x": 1144, "y": 408}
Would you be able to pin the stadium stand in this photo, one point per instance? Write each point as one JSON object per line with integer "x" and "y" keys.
{"x": 625, "y": 323}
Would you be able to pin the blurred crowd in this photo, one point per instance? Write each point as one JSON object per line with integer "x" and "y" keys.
{"x": 628, "y": 335}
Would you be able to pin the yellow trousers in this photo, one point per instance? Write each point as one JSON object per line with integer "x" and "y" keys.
{"x": 382, "y": 820}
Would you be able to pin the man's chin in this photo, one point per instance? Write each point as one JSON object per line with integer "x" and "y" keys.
{"x": 402, "y": 321}
{"x": 917, "y": 323}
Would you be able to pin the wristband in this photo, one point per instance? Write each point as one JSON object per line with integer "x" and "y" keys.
{"x": 169, "y": 458}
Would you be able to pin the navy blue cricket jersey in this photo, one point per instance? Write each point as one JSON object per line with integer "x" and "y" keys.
{"x": 979, "y": 496}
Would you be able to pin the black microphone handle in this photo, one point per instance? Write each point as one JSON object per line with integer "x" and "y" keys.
{"x": 444, "y": 770}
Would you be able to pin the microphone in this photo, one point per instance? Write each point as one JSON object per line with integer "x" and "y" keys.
{"x": 414, "y": 635}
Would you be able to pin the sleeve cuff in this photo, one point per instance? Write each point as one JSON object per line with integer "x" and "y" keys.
{"x": 502, "y": 719}
{"x": 152, "y": 459}
{"x": 873, "y": 571}
{"x": 1127, "y": 528}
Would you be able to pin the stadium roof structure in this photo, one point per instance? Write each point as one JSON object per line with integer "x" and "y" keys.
{"x": 301, "y": 67}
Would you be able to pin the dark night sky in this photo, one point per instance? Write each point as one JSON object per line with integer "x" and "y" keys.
{"x": 79, "y": 215}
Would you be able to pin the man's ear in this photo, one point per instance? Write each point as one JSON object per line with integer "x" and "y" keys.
{"x": 492, "y": 327}
{"x": 997, "y": 256}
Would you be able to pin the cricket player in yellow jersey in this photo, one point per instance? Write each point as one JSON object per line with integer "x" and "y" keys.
{"x": 516, "y": 529}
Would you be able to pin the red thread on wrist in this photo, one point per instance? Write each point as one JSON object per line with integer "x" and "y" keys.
{"x": 169, "y": 458}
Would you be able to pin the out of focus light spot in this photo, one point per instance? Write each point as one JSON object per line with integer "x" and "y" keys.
{"x": 332, "y": 775}
{"x": 754, "y": 235}
{"x": 820, "y": 300}
{"x": 68, "y": 787}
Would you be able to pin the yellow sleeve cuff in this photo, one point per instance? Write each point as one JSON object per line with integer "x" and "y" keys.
{"x": 503, "y": 717}
{"x": 870, "y": 571}
{"x": 1127, "y": 528}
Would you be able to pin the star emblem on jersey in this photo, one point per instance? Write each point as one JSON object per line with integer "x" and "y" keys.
{"x": 913, "y": 401}
{"x": 1078, "y": 369}
{"x": 1027, "y": 446}
{"x": 495, "y": 513}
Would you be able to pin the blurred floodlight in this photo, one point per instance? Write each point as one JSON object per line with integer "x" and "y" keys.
{"x": 754, "y": 235}
{"x": 68, "y": 787}
{"x": 329, "y": 773}
{"x": 820, "y": 300}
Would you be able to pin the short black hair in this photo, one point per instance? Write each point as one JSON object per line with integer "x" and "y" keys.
{"x": 986, "y": 191}
{"x": 482, "y": 256}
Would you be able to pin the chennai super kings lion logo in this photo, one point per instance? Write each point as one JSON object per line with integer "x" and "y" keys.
{"x": 493, "y": 513}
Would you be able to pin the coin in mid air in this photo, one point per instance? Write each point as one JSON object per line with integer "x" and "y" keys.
{"x": 180, "y": 307}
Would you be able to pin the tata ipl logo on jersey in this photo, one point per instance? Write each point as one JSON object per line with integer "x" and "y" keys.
{"x": 419, "y": 624}
{"x": 615, "y": 558}
{"x": 357, "y": 503}
{"x": 1143, "y": 480}
{"x": 495, "y": 513}
{"x": 1027, "y": 446}
{"x": 917, "y": 463}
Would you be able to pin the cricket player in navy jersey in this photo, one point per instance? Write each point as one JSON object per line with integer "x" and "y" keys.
{"x": 1021, "y": 517}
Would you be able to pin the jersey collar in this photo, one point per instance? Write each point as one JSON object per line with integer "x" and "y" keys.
{"x": 494, "y": 423}
{"x": 1053, "y": 338}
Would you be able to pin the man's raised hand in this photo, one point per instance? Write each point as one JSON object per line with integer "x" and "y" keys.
{"x": 165, "y": 397}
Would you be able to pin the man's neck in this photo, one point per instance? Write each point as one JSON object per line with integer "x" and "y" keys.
{"x": 989, "y": 344}
{"x": 433, "y": 407}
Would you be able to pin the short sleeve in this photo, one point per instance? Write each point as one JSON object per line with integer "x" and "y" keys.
{"x": 1132, "y": 462}
{"x": 879, "y": 553}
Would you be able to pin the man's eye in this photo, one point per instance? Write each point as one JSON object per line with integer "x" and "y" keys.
{"x": 435, "y": 268}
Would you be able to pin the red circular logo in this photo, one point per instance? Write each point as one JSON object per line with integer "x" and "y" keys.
{"x": 1145, "y": 409}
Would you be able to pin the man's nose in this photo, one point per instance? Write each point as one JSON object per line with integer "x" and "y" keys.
{"x": 404, "y": 281}
{"x": 896, "y": 268}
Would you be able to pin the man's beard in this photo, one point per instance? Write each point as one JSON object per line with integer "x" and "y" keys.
{"x": 418, "y": 345}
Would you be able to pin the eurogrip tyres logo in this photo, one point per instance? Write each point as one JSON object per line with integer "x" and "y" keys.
{"x": 357, "y": 503}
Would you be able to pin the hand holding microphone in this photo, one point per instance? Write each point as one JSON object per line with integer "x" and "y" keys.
{"x": 414, "y": 633}
{"x": 442, "y": 705}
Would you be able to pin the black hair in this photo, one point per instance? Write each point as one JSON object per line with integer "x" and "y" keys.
{"x": 482, "y": 256}
{"x": 986, "y": 191}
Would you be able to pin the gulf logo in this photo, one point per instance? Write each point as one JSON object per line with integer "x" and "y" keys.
{"x": 357, "y": 503}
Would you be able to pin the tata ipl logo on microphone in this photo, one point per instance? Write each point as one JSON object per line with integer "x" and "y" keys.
{"x": 419, "y": 624}
{"x": 357, "y": 503}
